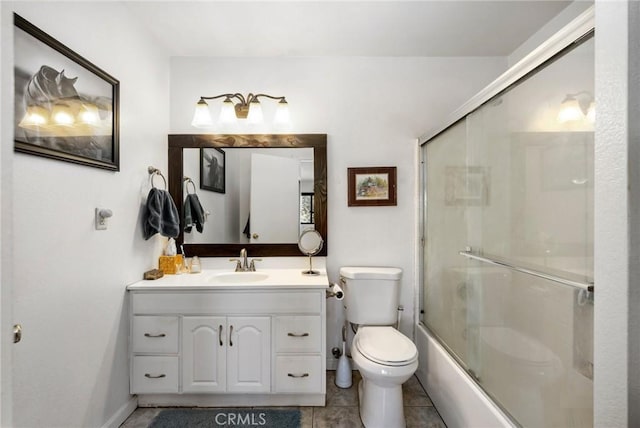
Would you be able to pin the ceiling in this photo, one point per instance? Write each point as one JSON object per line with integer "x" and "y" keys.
{"x": 343, "y": 28}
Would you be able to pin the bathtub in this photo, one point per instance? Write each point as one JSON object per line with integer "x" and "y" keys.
{"x": 459, "y": 400}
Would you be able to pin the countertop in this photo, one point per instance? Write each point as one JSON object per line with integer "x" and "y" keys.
{"x": 226, "y": 279}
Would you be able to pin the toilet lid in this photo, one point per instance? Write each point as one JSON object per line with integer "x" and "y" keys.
{"x": 385, "y": 345}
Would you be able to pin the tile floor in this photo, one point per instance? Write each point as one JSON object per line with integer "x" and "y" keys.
{"x": 341, "y": 409}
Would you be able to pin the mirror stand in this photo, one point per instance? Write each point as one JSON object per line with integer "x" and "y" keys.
{"x": 310, "y": 272}
{"x": 310, "y": 243}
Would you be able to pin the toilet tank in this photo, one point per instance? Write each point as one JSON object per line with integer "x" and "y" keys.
{"x": 371, "y": 294}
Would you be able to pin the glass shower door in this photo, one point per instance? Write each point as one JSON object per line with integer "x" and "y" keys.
{"x": 508, "y": 255}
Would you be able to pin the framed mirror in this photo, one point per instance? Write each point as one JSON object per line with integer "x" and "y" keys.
{"x": 265, "y": 206}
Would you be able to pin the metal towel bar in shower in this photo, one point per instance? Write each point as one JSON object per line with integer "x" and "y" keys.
{"x": 581, "y": 285}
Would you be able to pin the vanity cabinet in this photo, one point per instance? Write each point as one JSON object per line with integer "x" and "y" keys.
{"x": 226, "y": 354}
{"x": 213, "y": 346}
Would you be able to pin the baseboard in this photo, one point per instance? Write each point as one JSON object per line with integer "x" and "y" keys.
{"x": 230, "y": 400}
{"x": 123, "y": 413}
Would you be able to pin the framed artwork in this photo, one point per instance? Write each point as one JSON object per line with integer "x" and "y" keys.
{"x": 466, "y": 185}
{"x": 212, "y": 169}
{"x": 65, "y": 107}
{"x": 372, "y": 186}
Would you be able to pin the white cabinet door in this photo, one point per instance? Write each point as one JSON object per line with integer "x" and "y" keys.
{"x": 249, "y": 354}
{"x": 203, "y": 354}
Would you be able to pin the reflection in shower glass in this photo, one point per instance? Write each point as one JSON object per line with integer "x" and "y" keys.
{"x": 513, "y": 182}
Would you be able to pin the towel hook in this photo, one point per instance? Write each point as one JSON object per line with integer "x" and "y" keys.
{"x": 188, "y": 181}
{"x": 153, "y": 171}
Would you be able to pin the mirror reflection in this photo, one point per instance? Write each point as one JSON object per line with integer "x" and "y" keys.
{"x": 251, "y": 195}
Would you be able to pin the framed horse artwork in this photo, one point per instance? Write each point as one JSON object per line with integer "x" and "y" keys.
{"x": 66, "y": 108}
{"x": 212, "y": 169}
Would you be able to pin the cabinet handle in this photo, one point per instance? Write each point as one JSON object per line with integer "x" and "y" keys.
{"x": 298, "y": 334}
{"x": 147, "y": 375}
{"x": 230, "y": 334}
{"x": 220, "y": 334}
{"x": 298, "y": 375}
{"x": 154, "y": 335}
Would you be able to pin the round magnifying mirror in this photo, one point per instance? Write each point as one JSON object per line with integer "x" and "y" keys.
{"x": 310, "y": 243}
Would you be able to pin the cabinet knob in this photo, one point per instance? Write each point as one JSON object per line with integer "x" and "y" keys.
{"x": 255, "y": 236}
{"x": 298, "y": 375}
{"x": 298, "y": 334}
{"x": 230, "y": 336}
{"x": 154, "y": 335}
{"x": 150, "y": 376}
{"x": 220, "y": 334}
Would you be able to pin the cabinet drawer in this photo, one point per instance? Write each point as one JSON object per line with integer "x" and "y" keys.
{"x": 152, "y": 334}
{"x": 154, "y": 375}
{"x": 299, "y": 374}
{"x": 298, "y": 334}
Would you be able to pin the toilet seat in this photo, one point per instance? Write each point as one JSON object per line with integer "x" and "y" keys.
{"x": 385, "y": 345}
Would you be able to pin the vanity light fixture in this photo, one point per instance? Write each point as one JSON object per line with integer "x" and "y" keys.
{"x": 248, "y": 108}
{"x": 576, "y": 107}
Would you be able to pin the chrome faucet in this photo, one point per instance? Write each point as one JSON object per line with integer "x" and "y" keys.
{"x": 243, "y": 256}
{"x": 242, "y": 264}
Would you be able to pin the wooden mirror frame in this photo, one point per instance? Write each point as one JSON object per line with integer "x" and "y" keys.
{"x": 196, "y": 141}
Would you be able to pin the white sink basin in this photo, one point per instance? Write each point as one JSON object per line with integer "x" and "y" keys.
{"x": 239, "y": 277}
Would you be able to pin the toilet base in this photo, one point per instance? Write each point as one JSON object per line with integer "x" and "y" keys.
{"x": 381, "y": 407}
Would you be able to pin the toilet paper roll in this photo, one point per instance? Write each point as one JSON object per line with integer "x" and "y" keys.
{"x": 336, "y": 291}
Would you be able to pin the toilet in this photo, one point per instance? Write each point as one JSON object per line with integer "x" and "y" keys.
{"x": 385, "y": 357}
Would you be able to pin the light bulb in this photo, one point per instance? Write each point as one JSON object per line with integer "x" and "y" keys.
{"x": 569, "y": 110}
{"x": 62, "y": 115}
{"x": 227, "y": 113}
{"x": 282, "y": 119}
{"x": 36, "y": 116}
{"x": 89, "y": 115}
{"x": 201, "y": 115}
{"x": 255, "y": 112}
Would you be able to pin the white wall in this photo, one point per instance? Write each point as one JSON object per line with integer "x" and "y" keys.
{"x": 71, "y": 368}
{"x": 617, "y": 323}
{"x": 373, "y": 110}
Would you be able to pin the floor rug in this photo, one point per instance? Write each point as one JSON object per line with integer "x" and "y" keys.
{"x": 227, "y": 418}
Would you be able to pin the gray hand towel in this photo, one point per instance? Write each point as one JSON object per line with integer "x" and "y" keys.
{"x": 161, "y": 215}
{"x": 193, "y": 213}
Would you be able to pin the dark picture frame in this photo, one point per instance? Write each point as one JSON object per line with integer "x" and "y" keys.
{"x": 372, "y": 187}
{"x": 66, "y": 108}
{"x": 212, "y": 169}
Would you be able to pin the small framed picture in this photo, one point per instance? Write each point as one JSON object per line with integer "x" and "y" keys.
{"x": 374, "y": 186}
{"x": 65, "y": 107}
{"x": 212, "y": 169}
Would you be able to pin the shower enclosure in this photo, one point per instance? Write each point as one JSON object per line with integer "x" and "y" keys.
{"x": 507, "y": 255}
